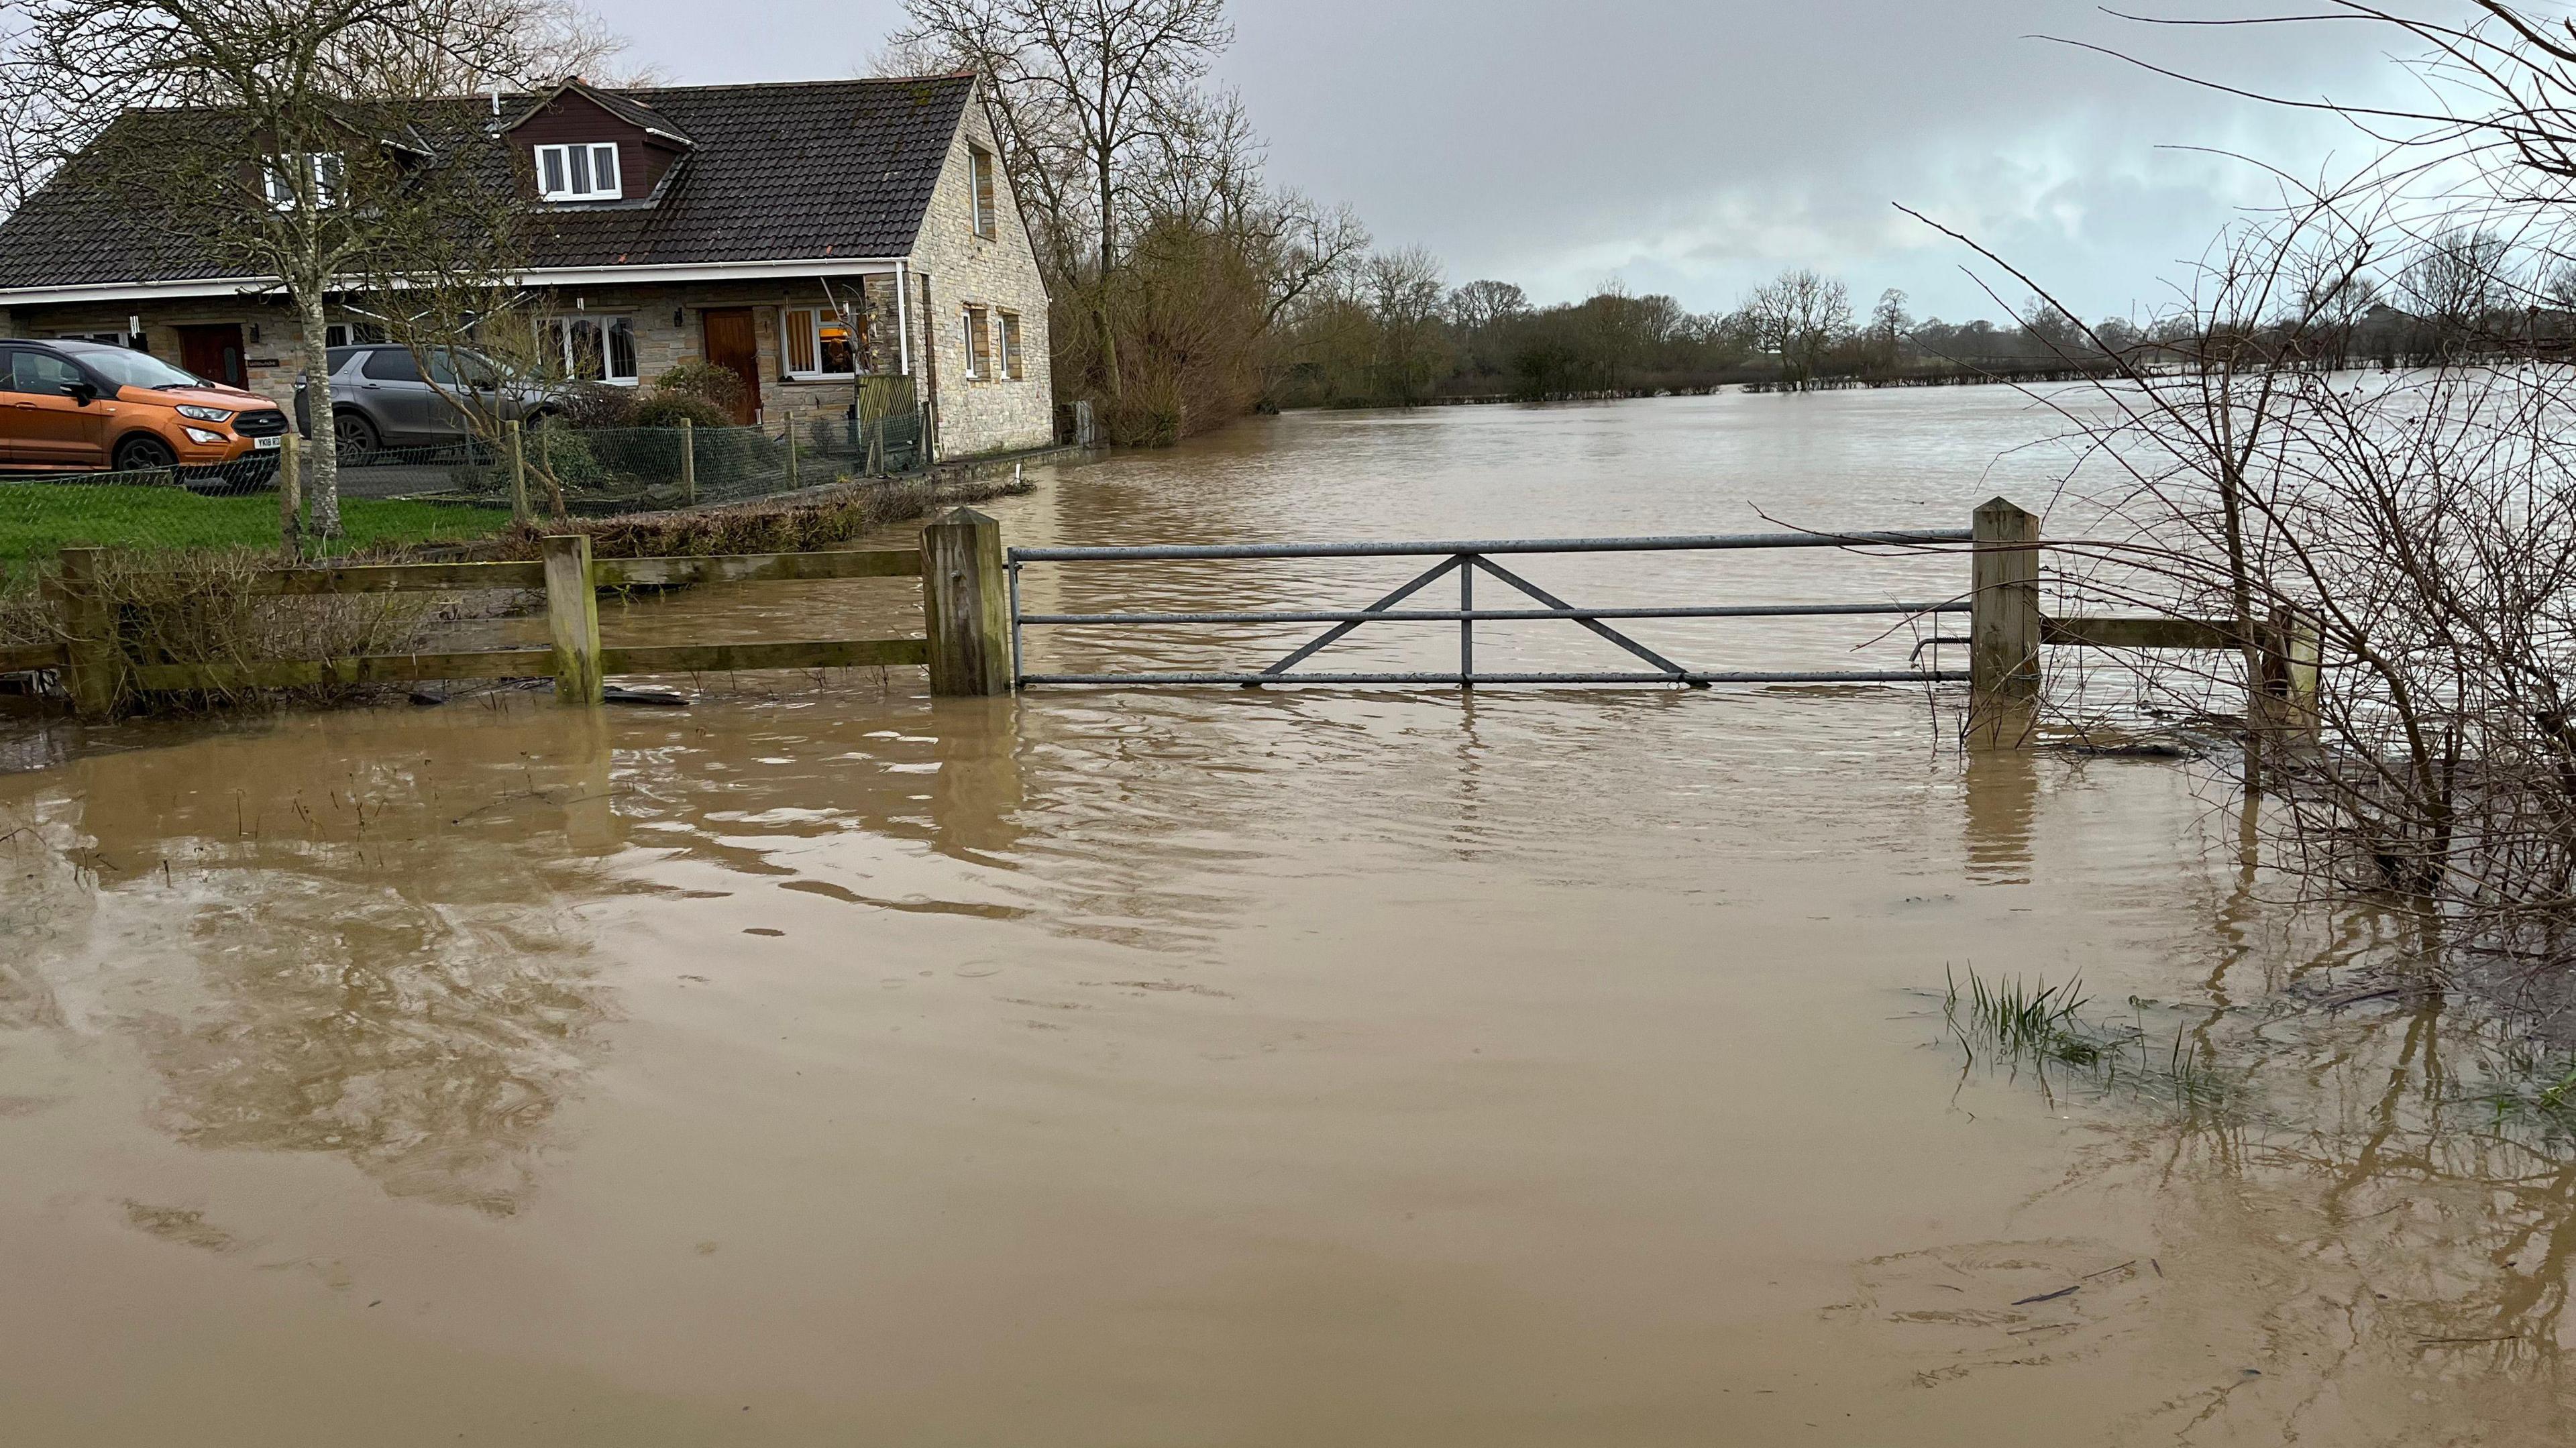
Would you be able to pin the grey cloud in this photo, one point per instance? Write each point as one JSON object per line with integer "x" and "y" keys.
{"x": 1697, "y": 147}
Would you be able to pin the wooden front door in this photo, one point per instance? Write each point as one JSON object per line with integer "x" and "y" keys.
{"x": 732, "y": 345}
{"x": 214, "y": 352}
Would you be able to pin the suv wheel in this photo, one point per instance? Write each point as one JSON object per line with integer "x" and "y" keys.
{"x": 353, "y": 436}
{"x": 142, "y": 453}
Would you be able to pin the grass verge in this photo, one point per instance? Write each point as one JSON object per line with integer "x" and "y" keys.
{"x": 37, "y": 520}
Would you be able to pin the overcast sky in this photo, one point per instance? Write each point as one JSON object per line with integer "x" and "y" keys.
{"x": 1698, "y": 146}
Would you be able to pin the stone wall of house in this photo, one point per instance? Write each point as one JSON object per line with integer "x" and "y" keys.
{"x": 990, "y": 414}
{"x": 268, "y": 332}
{"x": 668, "y": 322}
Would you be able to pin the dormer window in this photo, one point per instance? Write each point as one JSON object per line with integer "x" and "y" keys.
{"x": 586, "y": 172}
{"x": 320, "y": 172}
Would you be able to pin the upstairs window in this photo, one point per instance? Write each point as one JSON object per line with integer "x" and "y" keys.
{"x": 319, "y": 173}
{"x": 980, "y": 165}
{"x": 820, "y": 343}
{"x": 585, "y": 172}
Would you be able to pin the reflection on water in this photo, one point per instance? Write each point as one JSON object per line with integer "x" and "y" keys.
{"x": 383, "y": 965}
{"x": 2002, "y": 804}
{"x": 823, "y": 1063}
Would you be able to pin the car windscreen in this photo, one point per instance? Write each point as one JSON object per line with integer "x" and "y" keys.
{"x": 122, "y": 367}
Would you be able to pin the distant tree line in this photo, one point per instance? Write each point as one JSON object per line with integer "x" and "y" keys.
{"x": 1382, "y": 329}
{"x": 1187, "y": 290}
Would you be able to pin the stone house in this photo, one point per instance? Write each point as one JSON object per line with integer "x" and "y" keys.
{"x": 803, "y": 235}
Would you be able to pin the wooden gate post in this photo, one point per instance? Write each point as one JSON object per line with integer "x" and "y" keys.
{"x": 964, "y": 604}
{"x": 2003, "y": 618}
{"x": 2284, "y": 698}
{"x": 93, "y": 659}
{"x": 572, "y": 618}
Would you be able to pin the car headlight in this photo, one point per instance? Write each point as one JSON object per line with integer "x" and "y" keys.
{"x": 204, "y": 414}
{"x": 199, "y": 434}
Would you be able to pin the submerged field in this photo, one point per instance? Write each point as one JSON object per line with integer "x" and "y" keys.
{"x": 820, "y": 1063}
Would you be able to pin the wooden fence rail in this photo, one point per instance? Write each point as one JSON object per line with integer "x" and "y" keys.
{"x": 2007, "y": 633}
{"x": 961, "y": 599}
{"x": 966, "y": 639}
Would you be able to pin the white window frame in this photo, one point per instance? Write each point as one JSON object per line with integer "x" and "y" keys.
{"x": 811, "y": 318}
{"x": 559, "y": 331}
{"x": 326, "y": 170}
{"x": 966, "y": 315}
{"x": 590, "y": 154}
{"x": 983, "y": 192}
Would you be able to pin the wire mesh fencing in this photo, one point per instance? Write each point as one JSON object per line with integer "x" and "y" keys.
{"x": 604, "y": 472}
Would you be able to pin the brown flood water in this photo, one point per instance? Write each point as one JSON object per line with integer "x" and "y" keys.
{"x": 822, "y": 1065}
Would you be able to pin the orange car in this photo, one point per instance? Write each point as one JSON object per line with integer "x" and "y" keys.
{"x": 71, "y": 407}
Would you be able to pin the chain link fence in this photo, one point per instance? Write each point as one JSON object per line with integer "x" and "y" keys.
{"x": 608, "y": 471}
{"x": 452, "y": 493}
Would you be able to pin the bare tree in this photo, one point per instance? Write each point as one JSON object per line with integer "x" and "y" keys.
{"x": 2456, "y": 282}
{"x": 2416, "y": 525}
{"x": 1090, "y": 98}
{"x": 302, "y": 155}
{"x": 1407, "y": 298}
{"x": 1888, "y": 324}
{"x": 444, "y": 48}
{"x": 1798, "y": 316}
{"x": 1480, "y": 304}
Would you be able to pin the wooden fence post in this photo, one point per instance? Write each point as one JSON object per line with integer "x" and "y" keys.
{"x": 93, "y": 658}
{"x": 290, "y": 500}
{"x": 963, "y": 601}
{"x": 572, "y": 618}
{"x": 546, "y": 466}
{"x": 689, "y": 462}
{"x": 791, "y": 453}
{"x": 2003, "y": 618}
{"x": 519, "y": 511}
{"x": 2284, "y": 697}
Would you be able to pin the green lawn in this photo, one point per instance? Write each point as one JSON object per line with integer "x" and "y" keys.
{"x": 38, "y": 518}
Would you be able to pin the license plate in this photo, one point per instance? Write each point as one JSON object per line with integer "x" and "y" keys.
{"x": 268, "y": 444}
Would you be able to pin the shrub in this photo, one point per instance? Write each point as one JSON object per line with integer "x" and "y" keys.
{"x": 663, "y": 407}
{"x": 706, "y": 380}
{"x": 565, "y": 455}
{"x": 596, "y": 404}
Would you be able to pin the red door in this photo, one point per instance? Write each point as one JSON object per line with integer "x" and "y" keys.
{"x": 732, "y": 345}
{"x": 214, "y": 352}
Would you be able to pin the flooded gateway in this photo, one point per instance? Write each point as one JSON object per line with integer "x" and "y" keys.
{"x": 1190, "y": 1067}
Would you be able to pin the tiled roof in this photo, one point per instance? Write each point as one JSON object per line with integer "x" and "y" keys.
{"x": 640, "y": 116}
{"x": 778, "y": 172}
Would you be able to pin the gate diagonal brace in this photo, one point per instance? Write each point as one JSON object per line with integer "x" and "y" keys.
{"x": 1338, "y": 630}
{"x": 1594, "y": 624}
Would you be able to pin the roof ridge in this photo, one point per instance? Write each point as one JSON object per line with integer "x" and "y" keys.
{"x": 747, "y": 85}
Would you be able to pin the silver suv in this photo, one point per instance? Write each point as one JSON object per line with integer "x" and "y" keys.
{"x": 380, "y": 399}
